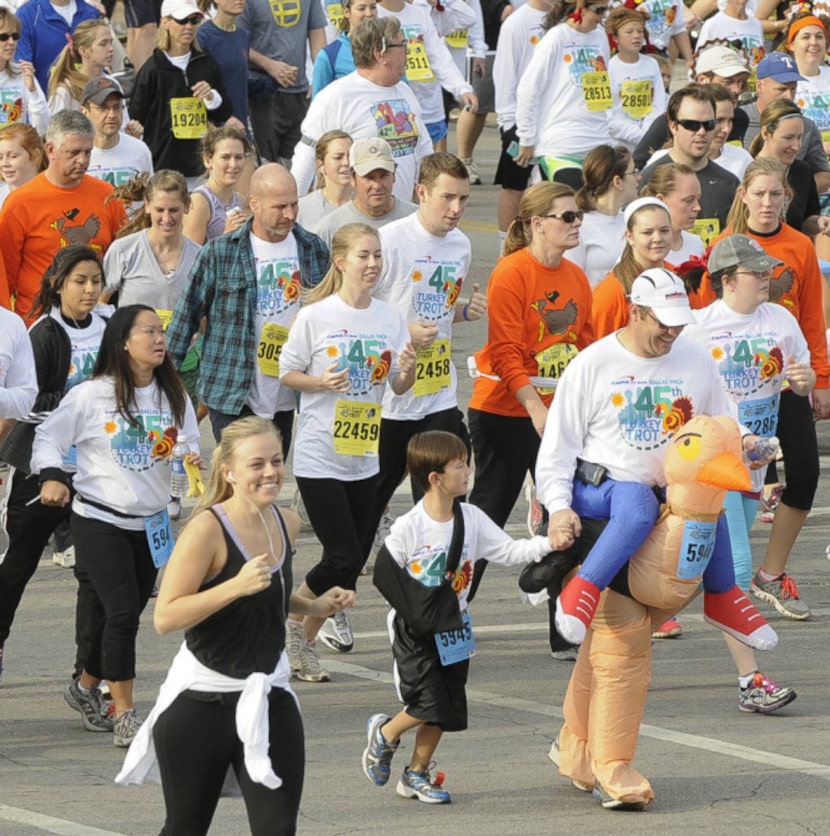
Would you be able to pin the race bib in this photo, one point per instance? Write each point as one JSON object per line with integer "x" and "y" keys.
{"x": 696, "y": 548}
{"x": 457, "y": 40}
{"x": 456, "y": 645}
{"x": 356, "y": 428}
{"x": 188, "y": 117}
{"x": 433, "y": 369}
{"x": 159, "y": 537}
{"x": 418, "y": 67}
{"x": 760, "y": 415}
{"x": 334, "y": 12}
{"x": 636, "y": 97}
{"x": 707, "y": 229}
{"x": 825, "y": 136}
{"x": 272, "y": 339}
{"x": 164, "y": 317}
{"x": 596, "y": 89}
{"x": 552, "y": 361}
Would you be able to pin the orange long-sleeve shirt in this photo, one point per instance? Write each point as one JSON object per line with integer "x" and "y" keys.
{"x": 531, "y": 310}
{"x": 796, "y": 286}
{"x": 610, "y": 307}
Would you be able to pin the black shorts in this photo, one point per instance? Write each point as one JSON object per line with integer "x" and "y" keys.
{"x": 435, "y": 694}
{"x": 508, "y": 174}
{"x": 139, "y": 13}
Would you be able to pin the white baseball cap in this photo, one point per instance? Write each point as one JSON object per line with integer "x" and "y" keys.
{"x": 663, "y": 292}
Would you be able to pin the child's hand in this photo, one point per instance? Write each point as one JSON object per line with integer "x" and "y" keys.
{"x": 563, "y": 528}
{"x": 334, "y": 600}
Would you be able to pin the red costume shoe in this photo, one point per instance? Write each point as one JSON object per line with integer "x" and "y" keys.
{"x": 575, "y": 608}
{"x": 735, "y": 614}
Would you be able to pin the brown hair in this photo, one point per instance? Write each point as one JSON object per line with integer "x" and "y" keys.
{"x": 64, "y": 70}
{"x": 430, "y": 452}
{"x": 214, "y": 136}
{"x": 8, "y": 20}
{"x": 442, "y": 162}
{"x": 664, "y": 179}
{"x": 619, "y": 17}
{"x": 738, "y": 219}
{"x": 628, "y": 268}
{"x": 771, "y": 116}
{"x": 320, "y": 151}
{"x": 30, "y": 141}
{"x": 601, "y": 166}
{"x": 340, "y": 246}
{"x": 537, "y": 200}
{"x": 143, "y": 188}
{"x": 373, "y": 35}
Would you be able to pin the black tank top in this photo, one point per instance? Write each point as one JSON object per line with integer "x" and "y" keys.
{"x": 248, "y": 635}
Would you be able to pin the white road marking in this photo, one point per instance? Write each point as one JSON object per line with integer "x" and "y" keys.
{"x": 49, "y": 824}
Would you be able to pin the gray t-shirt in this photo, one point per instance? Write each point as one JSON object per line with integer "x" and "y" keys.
{"x": 313, "y": 208}
{"x": 131, "y": 268}
{"x": 811, "y": 151}
{"x": 279, "y": 30}
{"x": 348, "y": 214}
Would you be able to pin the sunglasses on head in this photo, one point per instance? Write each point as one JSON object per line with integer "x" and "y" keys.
{"x": 568, "y": 217}
{"x": 4, "y": 36}
{"x": 694, "y": 125}
{"x": 193, "y": 20}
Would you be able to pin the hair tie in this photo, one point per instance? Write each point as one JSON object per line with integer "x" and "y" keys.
{"x": 798, "y": 25}
{"x": 693, "y": 263}
{"x": 71, "y": 44}
{"x": 576, "y": 16}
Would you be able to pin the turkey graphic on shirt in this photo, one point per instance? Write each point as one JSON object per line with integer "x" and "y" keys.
{"x": 72, "y": 233}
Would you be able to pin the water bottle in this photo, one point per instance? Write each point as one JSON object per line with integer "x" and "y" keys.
{"x": 764, "y": 448}
{"x": 178, "y": 475}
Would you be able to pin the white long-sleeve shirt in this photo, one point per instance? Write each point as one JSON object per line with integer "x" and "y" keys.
{"x": 18, "y": 379}
{"x": 362, "y": 108}
{"x": 17, "y": 103}
{"x": 122, "y": 467}
{"x": 552, "y": 112}
{"x": 635, "y": 108}
{"x": 518, "y": 37}
{"x": 619, "y": 410}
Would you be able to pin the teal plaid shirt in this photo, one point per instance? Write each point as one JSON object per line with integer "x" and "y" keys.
{"x": 222, "y": 287}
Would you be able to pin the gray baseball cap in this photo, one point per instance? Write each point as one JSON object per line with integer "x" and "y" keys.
{"x": 740, "y": 251}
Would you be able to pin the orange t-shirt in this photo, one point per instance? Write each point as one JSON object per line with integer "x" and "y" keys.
{"x": 610, "y": 307}
{"x": 796, "y": 286}
{"x": 39, "y": 218}
{"x": 538, "y": 319}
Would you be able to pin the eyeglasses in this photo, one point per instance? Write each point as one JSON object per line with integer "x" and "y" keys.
{"x": 632, "y": 173}
{"x": 568, "y": 217}
{"x": 113, "y": 108}
{"x": 659, "y": 324}
{"x": 4, "y": 36}
{"x": 193, "y": 20}
{"x": 694, "y": 125}
{"x": 387, "y": 46}
{"x": 761, "y": 275}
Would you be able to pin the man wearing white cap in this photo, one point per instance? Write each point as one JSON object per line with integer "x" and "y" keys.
{"x": 617, "y": 407}
{"x": 373, "y": 202}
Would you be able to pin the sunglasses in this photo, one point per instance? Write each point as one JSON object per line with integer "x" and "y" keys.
{"x": 4, "y": 36}
{"x": 193, "y": 20}
{"x": 568, "y": 217}
{"x": 694, "y": 125}
{"x": 598, "y": 10}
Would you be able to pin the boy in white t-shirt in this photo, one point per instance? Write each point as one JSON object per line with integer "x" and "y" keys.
{"x": 429, "y": 555}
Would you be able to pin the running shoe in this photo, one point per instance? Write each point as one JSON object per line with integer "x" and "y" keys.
{"x": 764, "y": 695}
{"x": 553, "y": 757}
{"x": 90, "y": 705}
{"x": 770, "y": 502}
{"x": 782, "y": 593}
{"x": 567, "y": 654}
{"x": 419, "y": 785}
{"x": 377, "y": 756}
{"x": 294, "y": 638}
{"x": 125, "y": 728}
{"x": 310, "y": 668}
{"x": 535, "y": 512}
{"x": 298, "y": 506}
{"x": 336, "y": 634}
{"x": 611, "y": 803}
{"x": 472, "y": 170}
{"x": 384, "y": 527}
{"x": 174, "y": 508}
{"x": 671, "y": 629}
{"x": 66, "y": 558}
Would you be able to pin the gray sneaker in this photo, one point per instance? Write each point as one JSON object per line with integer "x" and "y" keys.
{"x": 764, "y": 695}
{"x": 611, "y": 803}
{"x": 294, "y": 638}
{"x": 90, "y": 705}
{"x": 377, "y": 756}
{"x": 553, "y": 757}
{"x": 782, "y": 593}
{"x": 310, "y": 668}
{"x": 336, "y": 634}
{"x": 421, "y": 786}
{"x": 125, "y": 728}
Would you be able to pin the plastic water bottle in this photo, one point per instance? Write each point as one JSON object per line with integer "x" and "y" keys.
{"x": 765, "y": 448}
{"x": 178, "y": 475}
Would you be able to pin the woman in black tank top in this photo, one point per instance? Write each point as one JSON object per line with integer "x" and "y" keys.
{"x": 228, "y": 586}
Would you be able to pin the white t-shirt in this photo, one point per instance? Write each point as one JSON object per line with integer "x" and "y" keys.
{"x": 518, "y": 37}
{"x": 124, "y": 468}
{"x": 639, "y": 98}
{"x": 666, "y": 21}
{"x": 18, "y": 104}
{"x": 367, "y": 341}
{"x": 690, "y": 245}
{"x": 362, "y": 109}
{"x": 813, "y": 97}
{"x": 422, "y": 278}
{"x": 278, "y": 299}
{"x": 721, "y": 27}
{"x": 601, "y": 242}
{"x": 84, "y": 342}
{"x": 751, "y": 354}
{"x": 620, "y": 410}
{"x": 420, "y": 544}
{"x": 121, "y": 163}
{"x": 18, "y": 379}
{"x": 552, "y": 99}
{"x": 67, "y": 12}
{"x": 436, "y": 60}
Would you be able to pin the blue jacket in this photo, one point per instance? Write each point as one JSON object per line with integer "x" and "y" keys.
{"x": 44, "y": 34}
{"x": 333, "y": 61}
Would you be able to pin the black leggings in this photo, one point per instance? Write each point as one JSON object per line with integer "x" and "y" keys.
{"x": 115, "y": 575}
{"x": 339, "y": 514}
{"x": 196, "y": 742}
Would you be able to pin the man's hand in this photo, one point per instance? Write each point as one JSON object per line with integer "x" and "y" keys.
{"x": 563, "y": 528}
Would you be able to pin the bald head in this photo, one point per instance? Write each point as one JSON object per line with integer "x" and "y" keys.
{"x": 273, "y": 201}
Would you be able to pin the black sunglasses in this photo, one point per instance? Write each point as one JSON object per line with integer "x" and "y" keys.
{"x": 193, "y": 20}
{"x": 4, "y": 36}
{"x": 568, "y": 217}
{"x": 694, "y": 125}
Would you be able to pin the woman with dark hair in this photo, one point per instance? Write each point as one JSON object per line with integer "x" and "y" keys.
{"x": 65, "y": 339}
{"x": 123, "y": 424}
